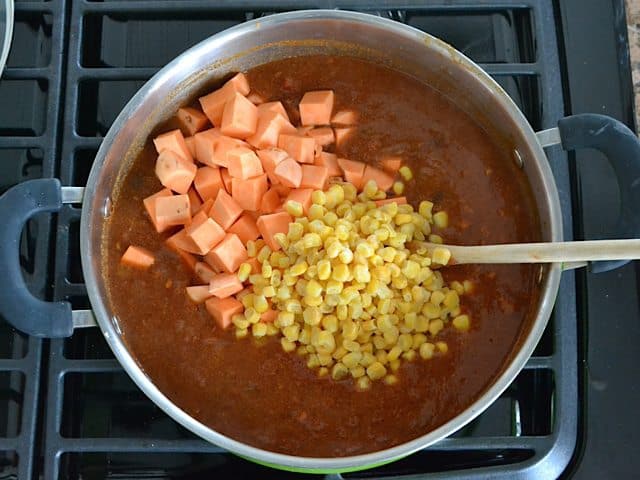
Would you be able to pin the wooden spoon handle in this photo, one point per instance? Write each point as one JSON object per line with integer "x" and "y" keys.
{"x": 551, "y": 252}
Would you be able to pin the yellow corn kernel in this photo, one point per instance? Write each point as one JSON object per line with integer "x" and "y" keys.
{"x": 313, "y": 361}
{"x": 402, "y": 219}
{"x": 260, "y": 303}
{"x": 351, "y": 345}
{"x": 259, "y": 329}
{"x": 339, "y": 371}
{"x": 357, "y": 371}
{"x": 442, "y": 347}
{"x": 441, "y": 255}
{"x": 269, "y": 291}
{"x": 398, "y": 188}
{"x": 435, "y": 326}
{"x": 244, "y": 271}
{"x": 376, "y": 371}
{"x": 390, "y": 379}
{"x": 247, "y": 300}
{"x": 418, "y": 340}
{"x": 394, "y": 365}
{"x": 240, "y": 321}
{"x": 272, "y": 329}
{"x": 339, "y": 352}
{"x": 451, "y": 299}
{"x": 409, "y": 355}
{"x": 263, "y": 254}
{"x": 394, "y": 353}
{"x": 318, "y": 197}
{"x": 293, "y": 305}
{"x": 367, "y": 358}
{"x": 267, "y": 270}
{"x": 426, "y": 350}
{"x": 252, "y": 315}
{"x": 314, "y": 289}
{"x": 441, "y": 219}
{"x": 295, "y": 232}
{"x": 293, "y": 208}
{"x": 352, "y": 359}
{"x": 324, "y": 269}
{"x": 311, "y": 240}
{"x": 298, "y": 269}
{"x": 457, "y": 286}
{"x": 316, "y": 211}
{"x": 406, "y": 173}
{"x": 241, "y": 332}
{"x": 437, "y": 297}
{"x": 283, "y": 293}
{"x": 325, "y": 342}
{"x": 325, "y": 359}
{"x": 363, "y": 383}
{"x": 379, "y": 342}
{"x": 330, "y": 323}
{"x": 433, "y": 238}
{"x": 312, "y": 316}
{"x": 405, "y": 342}
{"x": 468, "y": 286}
{"x": 461, "y": 322}
{"x": 323, "y": 372}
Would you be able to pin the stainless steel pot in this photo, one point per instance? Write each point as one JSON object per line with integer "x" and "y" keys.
{"x": 256, "y": 42}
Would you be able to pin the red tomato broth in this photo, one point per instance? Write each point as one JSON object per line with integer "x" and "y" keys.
{"x": 253, "y": 391}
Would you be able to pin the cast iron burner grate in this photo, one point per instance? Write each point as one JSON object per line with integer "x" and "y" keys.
{"x": 95, "y": 422}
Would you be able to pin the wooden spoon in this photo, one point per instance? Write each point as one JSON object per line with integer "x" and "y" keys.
{"x": 543, "y": 252}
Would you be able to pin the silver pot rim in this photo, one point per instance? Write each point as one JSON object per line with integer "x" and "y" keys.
{"x": 113, "y": 334}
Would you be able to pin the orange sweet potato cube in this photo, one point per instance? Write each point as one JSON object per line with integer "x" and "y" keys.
{"x": 248, "y": 193}
{"x": 270, "y": 126}
{"x": 205, "y": 145}
{"x": 190, "y": 142}
{"x": 226, "y": 179}
{"x": 314, "y": 176}
{"x": 173, "y": 141}
{"x": 245, "y": 228}
{"x": 150, "y": 206}
{"x": 224, "y": 145}
{"x": 198, "y": 293}
{"x": 204, "y": 272}
{"x": 391, "y": 164}
{"x": 323, "y": 136}
{"x": 223, "y": 309}
{"x": 180, "y": 242}
{"x": 243, "y": 163}
{"x": 137, "y": 257}
{"x": 223, "y": 285}
{"x": 269, "y": 225}
{"x": 353, "y": 171}
{"x": 205, "y": 233}
{"x": 342, "y": 134}
{"x": 175, "y": 172}
{"x": 275, "y": 107}
{"x": 228, "y": 254}
{"x": 225, "y": 210}
{"x": 194, "y": 200}
{"x": 329, "y": 160}
{"x": 208, "y": 182}
{"x": 239, "y": 118}
{"x": 213, "y": 103}
{"x": 191, "y": 120}
{"x": 270, "y": 158}
{"x": 173, "y": 210}
{"x": 383, "y": 180}
{"x": 300, "y": 148}
{"x": 270, "y": 201}
{"x": 398, "y": 200}
{"x": 344, "y": 117}
{"x": 289, "y": 173}
{"x": 316, "y": 107}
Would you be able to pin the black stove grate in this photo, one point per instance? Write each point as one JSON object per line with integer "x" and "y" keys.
{"x": 95, "y": 422}
{"x": 29, "y": 114}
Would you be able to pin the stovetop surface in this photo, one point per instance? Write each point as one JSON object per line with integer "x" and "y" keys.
{"x": 67, "y": 409}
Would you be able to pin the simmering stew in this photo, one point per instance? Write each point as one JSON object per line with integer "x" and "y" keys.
{"x": 253, "y": 391}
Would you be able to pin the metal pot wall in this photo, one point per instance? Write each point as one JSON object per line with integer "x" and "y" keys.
{"x": 293, "y": 34}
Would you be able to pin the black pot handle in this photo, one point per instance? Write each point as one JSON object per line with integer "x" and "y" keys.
{"x": 622, "y": 148}
{"x": 17, "y": 305}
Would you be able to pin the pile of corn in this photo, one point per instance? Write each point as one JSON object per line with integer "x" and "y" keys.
{"x": 351, "y": 297}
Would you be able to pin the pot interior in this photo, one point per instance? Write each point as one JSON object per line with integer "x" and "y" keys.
{"x": 290, "y": 35}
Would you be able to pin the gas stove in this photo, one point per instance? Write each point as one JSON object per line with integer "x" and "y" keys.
{"x": 68, "y": 410}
